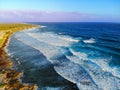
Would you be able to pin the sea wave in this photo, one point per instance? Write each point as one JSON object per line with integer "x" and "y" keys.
{"x": 78, "y": 67}
{"x": 97, "y": 73}
{"x": 53, "y": 39}
{"x": 91, "y": 40}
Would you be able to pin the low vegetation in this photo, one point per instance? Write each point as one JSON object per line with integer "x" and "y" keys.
{"x": 15, "y": 27}
{"x": 8, "y": 29}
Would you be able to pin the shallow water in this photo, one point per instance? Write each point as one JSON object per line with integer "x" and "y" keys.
{"x": 69, "y": 56}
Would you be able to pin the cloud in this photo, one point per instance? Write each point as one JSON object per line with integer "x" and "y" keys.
{"x": 50, "y": 16}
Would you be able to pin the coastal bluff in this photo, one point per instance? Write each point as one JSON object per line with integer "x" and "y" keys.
{"x": 10, "y": 79}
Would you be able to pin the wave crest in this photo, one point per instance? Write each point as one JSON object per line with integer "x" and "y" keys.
{"x": 91, "y": 40}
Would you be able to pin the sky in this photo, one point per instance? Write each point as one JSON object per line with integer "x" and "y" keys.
{"x": 59, "y": 10}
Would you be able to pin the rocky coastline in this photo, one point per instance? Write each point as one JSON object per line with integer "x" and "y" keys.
{"x": 10, "y": 79}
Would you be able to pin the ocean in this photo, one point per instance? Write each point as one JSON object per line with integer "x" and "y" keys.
{"x": 68, "y": 56}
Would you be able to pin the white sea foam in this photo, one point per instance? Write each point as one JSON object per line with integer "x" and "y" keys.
{"x": 97, "y": 71}
{"x": 102, "y": 62}
{"x": 53, "y": 39}
{"x": 48, "y": 50}
{"x": 91, "y": 40}
{"x": 60, "y": 33}
{"x": 82, "y": 56}
{"x": 69, "y": 70}
{"x": 68, "y": 38}
{"x": 87, "y": 87}
{"x": 74, "y": 73}
{"x": 104, "y": 80}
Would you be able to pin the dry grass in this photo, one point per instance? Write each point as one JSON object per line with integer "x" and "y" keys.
{"x": 8, "y": 28}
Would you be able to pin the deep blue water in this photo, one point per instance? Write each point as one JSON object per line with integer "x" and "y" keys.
{"x": 69, "y": 56}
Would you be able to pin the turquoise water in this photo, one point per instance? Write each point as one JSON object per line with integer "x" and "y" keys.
{"x": 69, "y": 56}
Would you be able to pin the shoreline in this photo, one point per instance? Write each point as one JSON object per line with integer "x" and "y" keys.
{"x": 10, "y": 79}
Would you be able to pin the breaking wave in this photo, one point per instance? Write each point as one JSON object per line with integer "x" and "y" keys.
{"x": 91, "y": 40}
{"x": 88, "y": 73}
{"x": 53, "y": 39}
